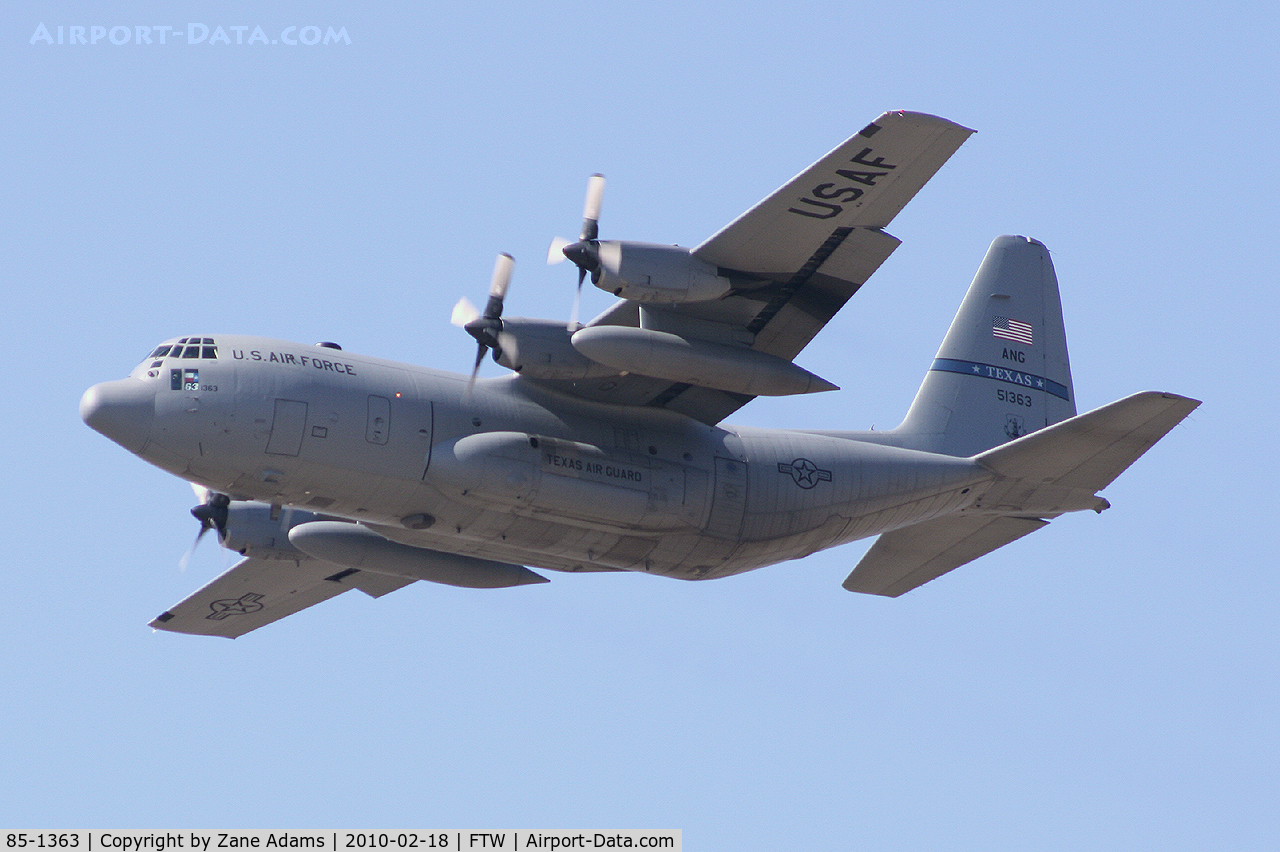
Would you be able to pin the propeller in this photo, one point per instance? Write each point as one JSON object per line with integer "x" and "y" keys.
{"x": 585, "y": 253}
{"x": 212, "y": 515}
{"x": 484, "y": 327}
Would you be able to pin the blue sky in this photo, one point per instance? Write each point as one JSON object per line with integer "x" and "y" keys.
{"x": 1107, "y": 683}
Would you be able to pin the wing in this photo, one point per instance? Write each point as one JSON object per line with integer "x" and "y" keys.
{"x": 795, "y": 258}
{"x": 256, "y": 592}
{"x": 863, "y": 183}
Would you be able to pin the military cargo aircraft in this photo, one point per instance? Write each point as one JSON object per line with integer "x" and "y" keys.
{"x": 604, "y": 448}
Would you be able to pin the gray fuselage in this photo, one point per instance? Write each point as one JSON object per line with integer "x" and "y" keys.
{"x": 510, "y": 471}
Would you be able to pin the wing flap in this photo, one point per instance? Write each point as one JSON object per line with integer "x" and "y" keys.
{"x": 901, "y": 560}
{"x": 254, "y": 593}
{"x": 377, "y": 585}
{"x": 809, "y": 300}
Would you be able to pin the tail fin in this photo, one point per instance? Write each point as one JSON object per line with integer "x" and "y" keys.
{"x": 1002, "y": 371}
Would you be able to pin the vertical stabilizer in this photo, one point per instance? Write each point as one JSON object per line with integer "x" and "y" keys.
{"x": 1002, "y": 371}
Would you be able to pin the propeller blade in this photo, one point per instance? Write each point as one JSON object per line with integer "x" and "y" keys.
{"x": 591, "y": 208}
{"x": 485, "y": 327}
{"x": 585, "y": 252}
{"x": 498, "y": 286}
{"x": 191, "y": 551}
{"x": 212, "y": 515}
{"x": 555, "y": 254}
{"x": 464, "y": 312}
{"x": 577, "y": 301}
{"x": 476, "y": 369}
{"x": 501, "y": 276}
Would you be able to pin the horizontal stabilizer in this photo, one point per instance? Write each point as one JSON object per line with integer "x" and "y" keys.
{"x": 903, "y": 559}
{"x": 1057, "y": 469}
{"x": 1087, "y": 452}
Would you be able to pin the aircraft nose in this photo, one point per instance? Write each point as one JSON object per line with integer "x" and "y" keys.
{"x": 122, "y": 410}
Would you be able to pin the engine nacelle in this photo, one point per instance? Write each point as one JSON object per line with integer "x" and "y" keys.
{"x": 540, "y": 349}
{"x": 644, "y": 272}
{"x": 253, "y": 531}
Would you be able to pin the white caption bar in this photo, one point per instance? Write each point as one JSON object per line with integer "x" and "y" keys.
{"x": 338, "y": 841}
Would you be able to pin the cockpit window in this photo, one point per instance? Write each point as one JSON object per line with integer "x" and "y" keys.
{"x": 187, "y": 347}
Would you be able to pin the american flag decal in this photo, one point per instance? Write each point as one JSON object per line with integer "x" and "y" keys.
{"x": 1012, "y": 329}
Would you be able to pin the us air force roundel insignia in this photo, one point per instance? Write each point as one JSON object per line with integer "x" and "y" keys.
{"x": 243, "y": 605}
{"x": 805, "y": 473}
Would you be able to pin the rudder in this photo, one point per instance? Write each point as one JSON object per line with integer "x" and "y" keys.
{"x": 1002, "y": 370}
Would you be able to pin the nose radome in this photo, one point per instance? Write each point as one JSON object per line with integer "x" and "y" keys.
{"x": 122, "y": 410}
